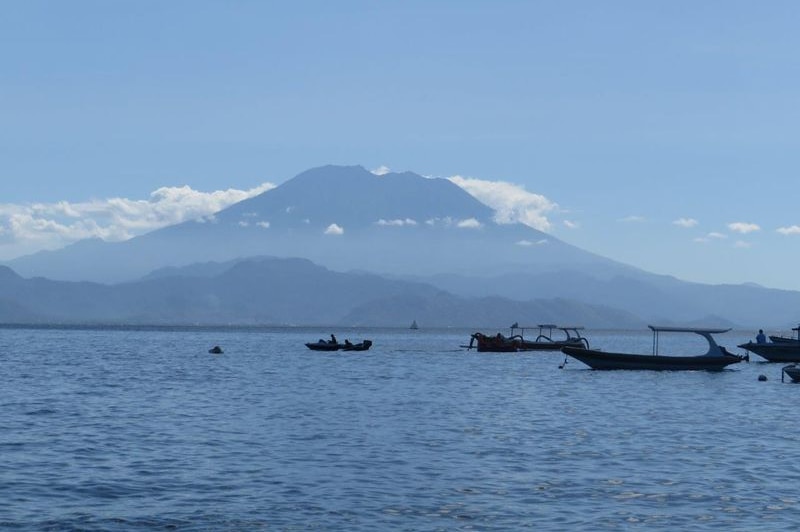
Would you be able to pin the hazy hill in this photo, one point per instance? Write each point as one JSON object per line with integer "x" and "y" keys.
{"x": 270, "y": 291}
{"x": 654, "y": 298}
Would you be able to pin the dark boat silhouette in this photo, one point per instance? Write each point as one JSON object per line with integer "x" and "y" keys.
{"x": 323, "y": 345}
{"x": 779, "y": 349}
{"x": 517, "y": 342}
{"x": 715, "y": 359}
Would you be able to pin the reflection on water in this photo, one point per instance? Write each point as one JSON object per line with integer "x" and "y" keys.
{"x": 140, "y": 429}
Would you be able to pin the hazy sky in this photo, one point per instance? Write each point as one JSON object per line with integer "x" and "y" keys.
{"x": 666, "y": 132}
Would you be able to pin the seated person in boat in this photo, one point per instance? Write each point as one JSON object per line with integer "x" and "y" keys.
{"x": 348, "y": 343}
{"x": 333, "y": 340}
{"x": 760, "y": 338}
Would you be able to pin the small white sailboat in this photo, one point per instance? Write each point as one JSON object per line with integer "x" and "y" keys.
{"x": 414, "y": 325}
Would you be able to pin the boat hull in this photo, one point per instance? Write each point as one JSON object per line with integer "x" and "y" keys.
{"x": 363, "y": 346}
{"x": 603, "y": 360}
{"x": 494, "y": 344}
{"x": 502, "y": 344}
{"x": 793, "y": 372}
{"x": 775, "y": 352}
{"x": 327, "y": 346}
{"x": 323, "y": 346}
{"x": 527, "y": 345}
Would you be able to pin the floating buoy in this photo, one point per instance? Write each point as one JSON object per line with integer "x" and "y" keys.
{"x": 216, "y": 350}
{"x": 762, "y": 378}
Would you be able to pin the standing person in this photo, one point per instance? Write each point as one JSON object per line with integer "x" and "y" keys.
{"x": 760, "y": 338}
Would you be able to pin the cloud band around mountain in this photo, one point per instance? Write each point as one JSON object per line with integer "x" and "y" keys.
{"x": 512, "y": 203}
{"x": 28, "y": 228}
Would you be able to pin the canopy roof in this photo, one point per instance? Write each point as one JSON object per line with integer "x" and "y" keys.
{"x": 698, "y": 330}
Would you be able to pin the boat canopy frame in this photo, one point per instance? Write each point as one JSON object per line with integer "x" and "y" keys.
{"x": 713, "y": 348}
{"x": 572, "y": 333}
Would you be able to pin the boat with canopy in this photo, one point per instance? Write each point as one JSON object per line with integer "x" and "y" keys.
{"x": 715, "y": 359}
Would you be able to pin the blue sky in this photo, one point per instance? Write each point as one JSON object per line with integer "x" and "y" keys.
{"x": 665, "y": 132}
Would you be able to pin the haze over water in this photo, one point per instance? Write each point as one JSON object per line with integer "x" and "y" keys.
{"x": 104, "y": 429}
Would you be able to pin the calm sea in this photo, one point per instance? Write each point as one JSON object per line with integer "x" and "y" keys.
{"x": 140, "y": 429}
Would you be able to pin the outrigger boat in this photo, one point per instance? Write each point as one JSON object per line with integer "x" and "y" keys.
{"x": 715, "y": 359}
{"x": 517, "y": 342}
{"x": 780, "y": 349}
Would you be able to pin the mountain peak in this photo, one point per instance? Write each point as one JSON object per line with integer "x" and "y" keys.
{"x": 343, "y": 217}
{"x": 354, "y": 196}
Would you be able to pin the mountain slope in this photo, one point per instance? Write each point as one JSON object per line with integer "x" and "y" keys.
{"x": 343, "y": 217}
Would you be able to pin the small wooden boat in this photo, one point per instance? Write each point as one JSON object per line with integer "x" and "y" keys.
{"x": 493, "y": 344}
{"x": 715, "y": 359}
{"x": 323, "y": 345}
{"x": 780, "y": 349}
{"x": 361, "y": 346}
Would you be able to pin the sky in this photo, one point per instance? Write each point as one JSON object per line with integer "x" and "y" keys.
{"x": 661, "y": 134}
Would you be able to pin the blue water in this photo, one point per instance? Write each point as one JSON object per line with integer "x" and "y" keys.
{"x": 117, "y": 429}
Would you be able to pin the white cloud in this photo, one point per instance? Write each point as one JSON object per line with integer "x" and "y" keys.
{"x": 743, "y": 227}
{"x": 512, "y": 203}
{"x": 334, "y": 229}
{"x": 397, "y": 222}
{"x": 448, "y": 221}
{"x": 711, "y": 236}
{"x": 742, "y": 244}
{"x": 685, "y": 222}
{"x": 32, "y": 227}
{"x": 381, "y": 170}
{"x": 791, "y": 230}
{"x": 242, "y": 223}
{"x": 527, "y": 243}
{"x": 632, "y": 219}
{"x": 211, "y": 219}
{"x": 469, "y": 223}
{"x": 263, "y": 225}
{"x": 571, "y": 225}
